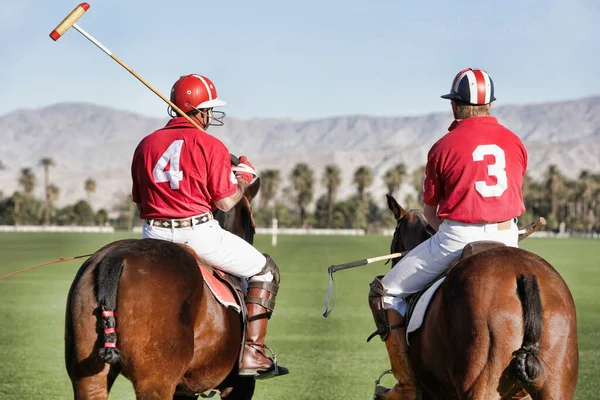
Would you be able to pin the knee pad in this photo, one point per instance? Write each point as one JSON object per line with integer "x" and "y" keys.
{"x": 377, "y": 307}
{"x": 264, "y": 293}
{"x": 271, "y": 267}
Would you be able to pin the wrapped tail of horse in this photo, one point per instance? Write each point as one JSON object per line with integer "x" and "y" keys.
{"x": 107, "y": 281}
{"x": 527, "y": 363}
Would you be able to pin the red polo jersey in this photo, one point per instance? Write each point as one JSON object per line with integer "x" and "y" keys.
{"x": 180, "y": 171}
{"x": 475, "y": 172}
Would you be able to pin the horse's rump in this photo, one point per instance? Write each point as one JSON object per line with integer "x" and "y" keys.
{"x": 156, "y": 290}
{"x": 497, "y": 315}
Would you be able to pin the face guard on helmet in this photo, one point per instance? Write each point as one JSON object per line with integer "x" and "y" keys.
{"x": 196, "y": 94}
{"x": 472, "y": 86}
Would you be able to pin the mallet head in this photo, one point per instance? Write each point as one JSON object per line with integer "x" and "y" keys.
{"x": 69, "y": 21}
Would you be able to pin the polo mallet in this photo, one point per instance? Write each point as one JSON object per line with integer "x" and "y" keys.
{"x": 353, "y": 264}
{"x": 525, "y": 232}
{"x": 70, "y": 21}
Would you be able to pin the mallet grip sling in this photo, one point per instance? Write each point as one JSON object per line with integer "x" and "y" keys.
{"x": 69, "y": 21}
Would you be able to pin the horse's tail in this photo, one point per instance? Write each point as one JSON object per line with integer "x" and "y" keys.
{"x": 527, "y": 363}
{"x": 107, "y": 282}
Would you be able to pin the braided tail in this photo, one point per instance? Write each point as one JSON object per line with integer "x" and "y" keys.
{"x": 526, "y": 362}
{"x": 107, "y": 282}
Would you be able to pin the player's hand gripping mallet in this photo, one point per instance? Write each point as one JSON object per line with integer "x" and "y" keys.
{"x": 70, "y": 21}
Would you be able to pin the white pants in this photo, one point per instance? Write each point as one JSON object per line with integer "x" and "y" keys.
{"x": 432, "y": 257}
{"x": 215, "y": 246}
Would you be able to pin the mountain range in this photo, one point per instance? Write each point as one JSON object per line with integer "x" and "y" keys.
{"x": 87, "y": 140}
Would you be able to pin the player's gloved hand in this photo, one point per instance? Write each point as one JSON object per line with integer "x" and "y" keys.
{"x": 245, "y": 170}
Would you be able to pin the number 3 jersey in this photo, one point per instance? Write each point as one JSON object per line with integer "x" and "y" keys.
{"x": 180, "y": 171}
{"x": 475, "y": 172}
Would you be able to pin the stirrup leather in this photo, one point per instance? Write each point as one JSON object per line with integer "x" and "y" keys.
{"x": 383, "y": 331}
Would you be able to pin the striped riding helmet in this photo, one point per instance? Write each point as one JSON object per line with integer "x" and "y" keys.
{"x": 472, "y": 86}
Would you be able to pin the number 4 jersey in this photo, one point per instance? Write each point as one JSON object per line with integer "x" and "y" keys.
{"x": 180, "y": 171}
{"x": 475, "y": 172}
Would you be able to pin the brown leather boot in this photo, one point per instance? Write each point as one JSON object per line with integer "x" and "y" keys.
{"x": 391, "y": 327}
{"x": 406, "y": 388}
{"x": 260, "y": 302}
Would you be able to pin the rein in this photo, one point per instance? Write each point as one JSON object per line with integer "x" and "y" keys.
{"x": 43, "y": 265}
{"x": 353, "y": 264}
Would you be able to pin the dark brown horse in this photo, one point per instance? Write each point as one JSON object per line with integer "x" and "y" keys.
{"x": 502, "y": 324}
{"x": 173, "y": 336}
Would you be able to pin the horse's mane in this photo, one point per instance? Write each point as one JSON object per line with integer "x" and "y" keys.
{"x": 397, "y": 245}
{"x": 227, "y": 220}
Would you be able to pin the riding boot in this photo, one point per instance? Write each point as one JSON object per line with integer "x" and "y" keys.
{"x": 391, "y": 327}
{"x": 260, "y": 302}
{"x": 406, "y": 388}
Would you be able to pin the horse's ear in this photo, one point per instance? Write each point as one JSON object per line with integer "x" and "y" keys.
{"x": 252, "y": 189}
{"x": 396, "y": 208}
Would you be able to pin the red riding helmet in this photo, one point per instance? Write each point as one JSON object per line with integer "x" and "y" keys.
{"x": 195, "y": 91}
{"x": 472, "y": 86}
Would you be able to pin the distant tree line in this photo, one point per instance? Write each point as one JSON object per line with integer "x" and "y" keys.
{"x": 572, "y": 203}
{"x": 359, "y": 211}
{"x": 22, "y": 208}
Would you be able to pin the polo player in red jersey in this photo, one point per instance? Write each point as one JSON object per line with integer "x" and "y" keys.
{"x": 180, "y": 176}
{"x": 472, "y": 191}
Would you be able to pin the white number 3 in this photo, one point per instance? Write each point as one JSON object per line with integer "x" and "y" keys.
{"x": 497, "y": 169}
{"x": 174, "y": 175}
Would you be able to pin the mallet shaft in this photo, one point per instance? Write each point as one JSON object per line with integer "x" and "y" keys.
{"x": 132, "y": 72}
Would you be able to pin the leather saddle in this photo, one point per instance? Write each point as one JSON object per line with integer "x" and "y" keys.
{"x": 229, "y": 290}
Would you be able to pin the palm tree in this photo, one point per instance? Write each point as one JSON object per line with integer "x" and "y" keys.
{"x": 393, "y": 178}
{"x": 269, "y": 185}
{"x": 418, "y": 176}
{"x": 53, "y": 193}
{"x": 554, "y": 182}
{"x": 584, "y": 195}
{"x": 363, "y": 178}
{"x": 302, "y": 181}
{"x": 17, "y": 199}
{"x": 331, "y": 180}
{"x": 90, "y": 187}
{"x": 46, "y": 163}
{"x": 27, "y": 181}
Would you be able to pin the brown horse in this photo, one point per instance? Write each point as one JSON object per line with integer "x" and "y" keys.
{"x": 501, "y": 326}
{"x": 174, "y": 339}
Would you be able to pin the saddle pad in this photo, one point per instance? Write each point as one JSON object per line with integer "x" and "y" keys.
{"x": 219, "y": 289}
{"x": 421, "y": 308}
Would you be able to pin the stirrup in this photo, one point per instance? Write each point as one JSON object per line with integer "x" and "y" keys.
{"x": 378, "y": 380}
{"x": 209, "y": 394}
{"x": 275, "y": 370}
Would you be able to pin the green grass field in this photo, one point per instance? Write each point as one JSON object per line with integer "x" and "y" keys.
{"x": 328, "y": 358}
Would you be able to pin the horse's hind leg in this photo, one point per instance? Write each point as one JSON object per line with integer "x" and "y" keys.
{"x": 154, "y": 390}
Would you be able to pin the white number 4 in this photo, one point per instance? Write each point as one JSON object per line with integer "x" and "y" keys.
{"x": 497, "y": 169}
{"x": 174, "y": 175}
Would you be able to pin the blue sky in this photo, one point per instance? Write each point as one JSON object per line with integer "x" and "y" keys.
{"x": 300, "y": 59}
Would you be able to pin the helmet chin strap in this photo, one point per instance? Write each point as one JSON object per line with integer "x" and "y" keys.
{"x": 212, "y": 119}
